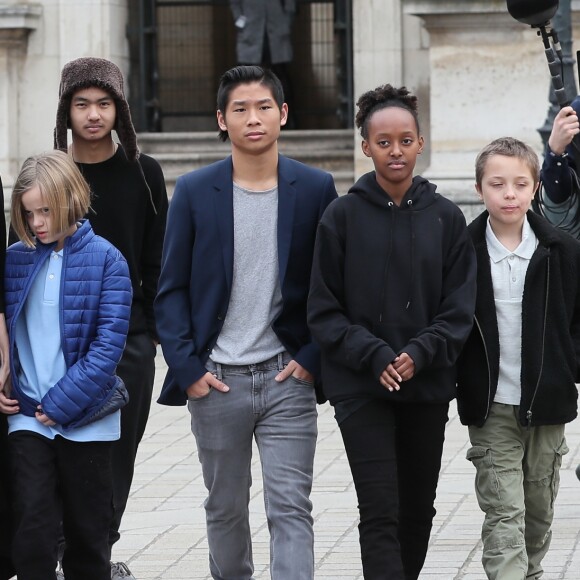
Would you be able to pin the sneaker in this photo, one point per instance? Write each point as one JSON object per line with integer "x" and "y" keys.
{"x": 59, "y": 575}
{"x": 119, "y": 570}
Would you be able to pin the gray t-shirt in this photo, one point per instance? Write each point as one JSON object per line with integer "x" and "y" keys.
{"x": 247, "y": 336}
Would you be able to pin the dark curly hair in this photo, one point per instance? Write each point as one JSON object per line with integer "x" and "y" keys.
{"x": 381, "y": 98}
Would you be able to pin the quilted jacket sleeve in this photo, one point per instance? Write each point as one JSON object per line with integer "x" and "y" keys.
{"x": 106, "y": 299}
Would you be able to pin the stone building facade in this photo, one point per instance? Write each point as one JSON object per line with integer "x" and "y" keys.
{"x": 478, "y": 73}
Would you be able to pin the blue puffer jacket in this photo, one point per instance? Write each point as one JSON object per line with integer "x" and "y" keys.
{"x": 95, "y": 307}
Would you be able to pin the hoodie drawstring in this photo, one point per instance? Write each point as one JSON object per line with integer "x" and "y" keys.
{"x": 390, "y": 205}
{"x": 412, "y": 241}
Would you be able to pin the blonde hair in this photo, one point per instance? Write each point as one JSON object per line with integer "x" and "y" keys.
{"x": 63, "y": 188}
{"x": 508, "y": 147}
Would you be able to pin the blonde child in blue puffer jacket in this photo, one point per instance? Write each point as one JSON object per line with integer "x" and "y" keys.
{"x": 68, "y": 302}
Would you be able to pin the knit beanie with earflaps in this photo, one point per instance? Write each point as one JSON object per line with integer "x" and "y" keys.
{"x": 84, "y": 73}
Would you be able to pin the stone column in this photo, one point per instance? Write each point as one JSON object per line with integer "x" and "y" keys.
{"x": 377, "y": 53}
{"x": 389, "y": 46}
{"x": 488, "y": 79}
{"x": 16, "y": 23}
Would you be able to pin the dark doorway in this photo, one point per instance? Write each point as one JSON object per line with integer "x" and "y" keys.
{"x": 179, "y": 49}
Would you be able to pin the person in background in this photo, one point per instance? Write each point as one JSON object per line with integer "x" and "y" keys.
{"x": 68, "y": 304}
{"x": 391, "y": 304}
{"x": 231, "y": 314}
{"x": 558, "y": 198}
{"x": 560, "y": 182}
{"x": 264, "y": 37}
{"x": 129, "y": 209}
{"x": 518, "y": 369}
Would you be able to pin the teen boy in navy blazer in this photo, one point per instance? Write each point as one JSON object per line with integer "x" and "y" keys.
{"x": 231, "y": 315}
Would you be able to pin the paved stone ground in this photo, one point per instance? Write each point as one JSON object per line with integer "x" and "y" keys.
{"x": 164, "y": 530}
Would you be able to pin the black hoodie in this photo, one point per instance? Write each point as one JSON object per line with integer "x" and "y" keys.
{"x": 388, "y": 279}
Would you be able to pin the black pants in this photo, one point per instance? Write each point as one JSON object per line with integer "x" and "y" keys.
{"x": 137, "y": 369}
{"x": 6, "y": 567}
{"x": 394, "y": 451}
{"x": 52, "y": 477}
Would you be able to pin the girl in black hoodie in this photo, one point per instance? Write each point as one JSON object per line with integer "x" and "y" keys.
{"x": 391, "y": 303}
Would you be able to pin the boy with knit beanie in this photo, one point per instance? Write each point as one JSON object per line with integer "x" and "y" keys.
{"x": 128, "y": 208}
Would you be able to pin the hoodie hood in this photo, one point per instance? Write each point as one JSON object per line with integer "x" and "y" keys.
{"x": 420, "y": 195}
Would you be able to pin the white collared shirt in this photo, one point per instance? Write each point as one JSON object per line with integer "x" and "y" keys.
{"x": 508, "y": 274}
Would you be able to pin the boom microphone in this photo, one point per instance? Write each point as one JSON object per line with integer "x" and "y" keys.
{"x": 533, "y": 12}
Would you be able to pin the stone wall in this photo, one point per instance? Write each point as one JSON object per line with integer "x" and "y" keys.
{"x": 36, "y": 40}
{"x": 478, "y": 73}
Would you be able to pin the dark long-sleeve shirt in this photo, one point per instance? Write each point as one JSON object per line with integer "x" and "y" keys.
{"x": 129, "y": 209}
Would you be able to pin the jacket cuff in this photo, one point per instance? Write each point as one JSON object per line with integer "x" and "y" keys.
{"x": 54, "y": 412}
{"x": 309, "y": 358}
{"x": 555, "y": 156}
{"x": 384, "y": 356}
{"x": 188, "y": 375}
{"x": 416, "y": 353}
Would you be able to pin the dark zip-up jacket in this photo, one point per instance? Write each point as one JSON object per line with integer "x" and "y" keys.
{"x": 550, "y": 332}
{"x": 388, "y": 279}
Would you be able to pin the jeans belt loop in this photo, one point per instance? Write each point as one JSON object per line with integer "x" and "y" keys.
{"x": 218, "y": 371}
{"x": 280, "y": 361}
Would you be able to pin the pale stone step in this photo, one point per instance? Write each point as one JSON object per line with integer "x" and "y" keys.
{"x": 156, "y": 143}
{"x": 179, "y": 153}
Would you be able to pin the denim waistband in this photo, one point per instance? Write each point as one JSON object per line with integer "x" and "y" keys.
{"x": 277, "y": 362}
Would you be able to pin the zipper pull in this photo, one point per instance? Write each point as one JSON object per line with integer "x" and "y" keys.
{"x": 529, "y": 418}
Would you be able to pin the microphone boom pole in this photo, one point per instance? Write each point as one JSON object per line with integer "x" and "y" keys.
{"x": 554, "y": 64}
{"x": 537, "y": 14}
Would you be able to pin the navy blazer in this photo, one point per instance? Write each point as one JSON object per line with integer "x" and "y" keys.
{"x": 197, "y": 267}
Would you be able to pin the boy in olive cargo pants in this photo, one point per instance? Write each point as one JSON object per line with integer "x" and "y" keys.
{"x": 518, "y": 369}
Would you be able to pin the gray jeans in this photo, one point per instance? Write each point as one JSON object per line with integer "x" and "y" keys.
{"x": 518, "y": 474}
{"x": 282, "y": 417}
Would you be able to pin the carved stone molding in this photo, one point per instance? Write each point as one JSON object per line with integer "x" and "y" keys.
{"x": 17, "y": 21}
{"x": 459, "y": 16}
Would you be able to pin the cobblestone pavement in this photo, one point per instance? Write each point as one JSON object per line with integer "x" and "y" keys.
{"x": 163, "y": 535}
